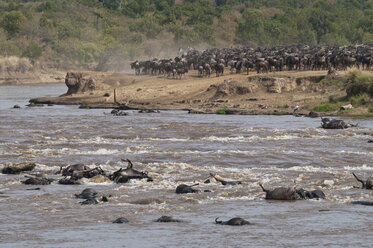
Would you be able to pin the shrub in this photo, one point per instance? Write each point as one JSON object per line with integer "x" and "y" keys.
{"x": 359, "y": 83}
{"x": 33, "y": 51}
{"x": 222, "y": 111}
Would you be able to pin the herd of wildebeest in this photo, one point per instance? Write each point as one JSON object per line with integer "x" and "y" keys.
{"x": 260, "y": 60}
{"x": 73, "y": 173}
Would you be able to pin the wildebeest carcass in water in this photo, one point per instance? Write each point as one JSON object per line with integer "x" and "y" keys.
{"x": 90, "y": 196}
{"x": 233, "y": 222}
{"x": 87, "y": 193}
{"x": 38, "y": 179}
{"x": 368, "y": 184}
{"x": 222, "y": 180}
{"x": 78, "y": 171}
{"x": 290, "y": 193}
{"x": 334, "y": 124}
{"x": 124, "y": 175}
{"x": 185, "y": 189}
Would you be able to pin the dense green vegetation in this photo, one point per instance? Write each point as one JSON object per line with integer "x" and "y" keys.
{"x": 89, "y": 31}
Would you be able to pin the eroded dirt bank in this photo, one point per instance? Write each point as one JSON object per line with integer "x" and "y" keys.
{"x": 274, "y": 93}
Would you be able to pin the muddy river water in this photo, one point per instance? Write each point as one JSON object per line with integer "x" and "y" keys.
{"x": 175, "y": 147}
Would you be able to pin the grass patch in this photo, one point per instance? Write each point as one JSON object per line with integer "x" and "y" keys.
{"x": 370, "y": 109}
{"x": 333, "y": 82}
{"x": 325, "y": 107}
{"x": 360, "y": 100}
{"x": 283, "y": 106}
{"x": 222, "y": 111}
{"x": 85, "y": 107}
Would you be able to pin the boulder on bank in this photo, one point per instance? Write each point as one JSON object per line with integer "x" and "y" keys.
{"x": 78, "y": 82}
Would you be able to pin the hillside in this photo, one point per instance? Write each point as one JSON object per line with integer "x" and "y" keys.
{"x": 107, "y": 34}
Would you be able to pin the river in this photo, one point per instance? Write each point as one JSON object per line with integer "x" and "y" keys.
{"x": 175, "y": 147}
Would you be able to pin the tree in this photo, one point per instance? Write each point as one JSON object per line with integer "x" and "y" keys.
{"x": 33, "y": 51}
{"x": 12, "y": 22}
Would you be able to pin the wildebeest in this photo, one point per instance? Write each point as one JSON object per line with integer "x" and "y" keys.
{"x": 233, "y": 222}
{"x": 289, "y": 193}
{"x": 69, "y": 170}
{"x": 185, "y": 189}
{"x": 368, "y": 184}
{"x": 281, "y": 193}
{"x": 219, "y": 69}
{"x": 224, "y": 182}
{"x": 165, "y": 218}
{"x": 334, "y": 124}
{"x": 89, "y": 201}
{"x": 87, "y": 193}
{"x": 117, "y": 112}
{"x": 120, "y": 220}
{"x": 124, "y": 175}
{"x": 38, "y": 179}
{"x": 78, "y": 171}
{"x": 313, "y": 194}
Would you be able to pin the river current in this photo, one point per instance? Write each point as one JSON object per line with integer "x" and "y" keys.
{"x": 175, "y": 147}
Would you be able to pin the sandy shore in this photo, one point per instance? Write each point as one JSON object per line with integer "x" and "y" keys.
{"x": 272, "y": 93}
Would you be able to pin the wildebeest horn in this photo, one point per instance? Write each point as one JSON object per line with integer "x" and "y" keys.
{"x": 359, "y": 179}
{"x": 265, "y": 190}
{"x": 130, "y": 165}
{"x": 58, "y": 172}
{"x": 218, "y": 222}
{"x": 194, "y": 185}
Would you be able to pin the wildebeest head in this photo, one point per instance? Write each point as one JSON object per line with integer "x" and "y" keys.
{"x": 69, "y": 170}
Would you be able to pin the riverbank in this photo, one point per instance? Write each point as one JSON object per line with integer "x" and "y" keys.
{"x": 32, "y": 77}
{"x": 276, "y": 93}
